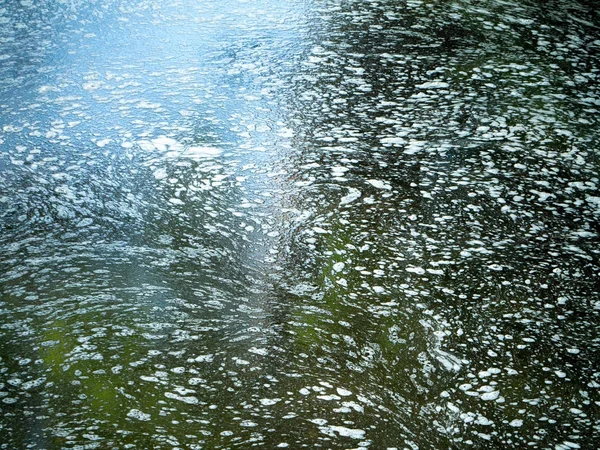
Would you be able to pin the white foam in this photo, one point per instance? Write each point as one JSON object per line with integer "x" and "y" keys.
{"x": 348, "y": 432}
{"x": 353, "y": 194}
{"x": 328, "y": 398}
{"x": 84, "y": 222}
{"x": 162, "y": 143}
{"x": 139, "y": 415}
{"x": 339, "y": 171}
{"x": 200, "y": 152}
{"x": 338, "y": 266}
{"x": 259, "y": 351}
{"x": 567, "y": 445}
{"x": 318, "y": 421}
{"x": 433, "y": 85}
{"x": 414, "y": 147}
{"x": 103, "y": 142}
{"x": 189, "y": 400}
{"x": 355, "y": 406}
{"x": 204, "y": 358}
{"x": 379, "y": 184}
{"x": 160, "y": 174}
{"x": 488, "y": 396}
{"x": 33, "y": 383}
{"x": 248, "y": 424}
{"x": 394, "y": 140}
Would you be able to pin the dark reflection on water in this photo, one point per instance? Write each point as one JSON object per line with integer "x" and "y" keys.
{"x": 362, "y": 224}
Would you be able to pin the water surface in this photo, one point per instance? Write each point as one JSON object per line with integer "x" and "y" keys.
{"x": 302, "y": 224}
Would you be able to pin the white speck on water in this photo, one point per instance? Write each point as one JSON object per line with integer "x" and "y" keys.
{"x": 248, "y": 424}
{"x": 414, "y": 147}
{"x": 160, "y": 174}
{"x": 417, "y": 270}
{"x": 146, "y": 145}
{"x": 449, "y": 361}
{"x": 204, "y": 358}
{"x": 318, "y": 421}
{"x": 516, "y": 423}
{"x": 84, "y": 222}
{"x": 489, "y": 372}
{"x": 379, "y": 184}
{"x": 328, "y": 398}
{"x": 339, "y": 171}
{"x": 190, "y": 400}
{"x": 259, "y": 351}
{"x": 33, "y": 383}
{"x": 285, "y": 132}
{"x": 353, "y": 194}
{"x": 393, "y": 140}
{"x": 164, "y": 143}
{"x": 452, "y": 407}
{"x": 103, "y": 142}
{"x": 433, "y": 85}
{"x": 139, "y": 415}
{"x": 487, "y": 396}
{"x": 355, "y": 406}
{"x": 15, "y": 381}
{"x": 348, "y": 432}
{"x": 269, "y": 401}
{"x": 200, "y": 152}
{"x": 150, "y": 379}
{"x": 338, "y": 266}
{"x": 484, "y": 421}
{"x": 566, "y": 445}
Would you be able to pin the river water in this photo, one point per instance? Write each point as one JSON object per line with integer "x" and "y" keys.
{"x": 332, "y": 224}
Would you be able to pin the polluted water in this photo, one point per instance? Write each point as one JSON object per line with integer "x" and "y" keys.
{"x": 303, "y": 224}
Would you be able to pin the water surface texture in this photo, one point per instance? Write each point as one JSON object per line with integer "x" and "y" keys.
{"x": 320, "y": 224}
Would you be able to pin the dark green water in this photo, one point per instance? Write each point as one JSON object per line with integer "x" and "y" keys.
{"x": 299, "y": 224}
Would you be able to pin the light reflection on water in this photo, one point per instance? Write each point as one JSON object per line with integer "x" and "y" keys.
{"x": 299, "y": 225}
